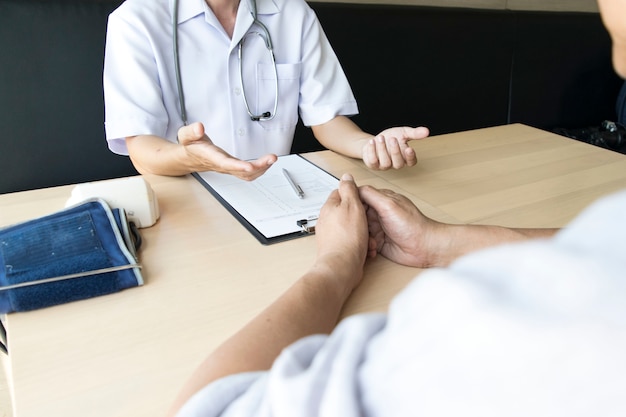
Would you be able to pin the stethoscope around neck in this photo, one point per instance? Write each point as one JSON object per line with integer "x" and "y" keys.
{"x": 267, "y": 39}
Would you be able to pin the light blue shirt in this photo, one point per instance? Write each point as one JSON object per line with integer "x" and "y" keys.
{"x": 140, "y": 85}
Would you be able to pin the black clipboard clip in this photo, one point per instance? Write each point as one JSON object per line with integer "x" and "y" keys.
{"x": 307, "y": 225}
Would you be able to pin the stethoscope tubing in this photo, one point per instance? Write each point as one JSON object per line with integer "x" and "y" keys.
{"x": 268, "y": 44}
{"x": 179, "y": 82}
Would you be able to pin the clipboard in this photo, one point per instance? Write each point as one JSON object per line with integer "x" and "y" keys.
{"x": 268, "y": 207}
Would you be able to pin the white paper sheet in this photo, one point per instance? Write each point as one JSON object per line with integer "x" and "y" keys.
{"x": 269, "y": 203}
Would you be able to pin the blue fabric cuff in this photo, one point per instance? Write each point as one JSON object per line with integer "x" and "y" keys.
{"x": 80, "y": 252}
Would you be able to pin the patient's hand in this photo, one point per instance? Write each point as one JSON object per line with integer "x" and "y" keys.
{"x": 341, "y": 233}
{"x": 401, "y": 233}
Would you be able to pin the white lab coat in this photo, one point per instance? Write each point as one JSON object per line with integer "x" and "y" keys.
{"x": 140, "y": 86}
{"x": 530, "y": 329}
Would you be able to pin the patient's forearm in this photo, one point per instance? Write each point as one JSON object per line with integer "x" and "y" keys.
{"x": 465, "y": 239}
{"x": 311, "y": 306}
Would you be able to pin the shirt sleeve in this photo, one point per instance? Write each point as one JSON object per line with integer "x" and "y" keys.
{"x": 325, "y": 89}
{"x": 132, "y": 92}
{"x": 313, "y": 377}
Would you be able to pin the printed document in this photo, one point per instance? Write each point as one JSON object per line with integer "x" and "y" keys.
{"x": 269, "y": 205}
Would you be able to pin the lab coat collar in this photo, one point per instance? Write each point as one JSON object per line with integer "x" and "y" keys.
{"x": 244, "y": 17}
{"x": 188, "y": 9}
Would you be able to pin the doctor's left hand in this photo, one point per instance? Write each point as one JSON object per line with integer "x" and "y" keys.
{"x": 206, "y": 156}
{"x": 390, "y": 148}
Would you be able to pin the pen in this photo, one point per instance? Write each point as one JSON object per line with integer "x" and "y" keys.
{"x": 296, "y": 187}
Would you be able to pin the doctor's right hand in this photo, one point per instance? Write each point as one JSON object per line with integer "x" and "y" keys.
{"x": 203, "y": 155}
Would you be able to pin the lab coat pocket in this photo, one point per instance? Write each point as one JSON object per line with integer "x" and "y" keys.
{"x": 288, "y": 94}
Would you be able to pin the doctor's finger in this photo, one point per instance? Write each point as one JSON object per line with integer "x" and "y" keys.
{"x": 264, "y": 162}
{"x": 395, "y": 149}
{"x": 384, "y": 158}
{"x": 252, "y": 173}
{"x": 369, "y": 155}
{"x": 241, "y": 169}
{"x": 259, "y": 167}
{"x": 408, "y": 153}
{"x": 191, "y": 133}
{"x": 420, "y": 132}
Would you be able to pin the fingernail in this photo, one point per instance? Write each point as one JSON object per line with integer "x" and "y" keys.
{"x": 347, "y": 177}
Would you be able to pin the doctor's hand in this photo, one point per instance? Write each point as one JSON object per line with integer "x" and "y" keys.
{"x": 203, "y": 155}
{"x": 390, "y": 148}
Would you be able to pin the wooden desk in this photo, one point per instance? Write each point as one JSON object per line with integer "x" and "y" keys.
{"x": 128, "y": 354}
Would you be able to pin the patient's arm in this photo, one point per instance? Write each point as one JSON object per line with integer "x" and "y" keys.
{"x": 311, "y": 306}
{"x": 400, "y": 232}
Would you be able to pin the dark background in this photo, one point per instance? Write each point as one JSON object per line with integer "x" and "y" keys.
{"x": 445, "y": 68}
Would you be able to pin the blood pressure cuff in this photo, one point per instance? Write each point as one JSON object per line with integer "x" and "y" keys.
{"x": 80, "y": 252}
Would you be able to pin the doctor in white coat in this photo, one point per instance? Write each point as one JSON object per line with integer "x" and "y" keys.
{"x": 246, "y": 72}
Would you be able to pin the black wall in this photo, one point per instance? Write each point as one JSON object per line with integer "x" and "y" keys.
{"x": 445, "y": 68}
{"x": 458, "y": 69}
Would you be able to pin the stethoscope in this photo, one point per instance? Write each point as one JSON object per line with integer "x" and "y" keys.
{"x": 267, "y": 39}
